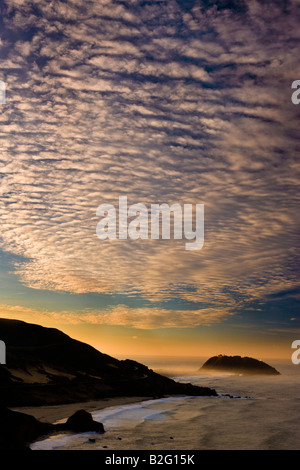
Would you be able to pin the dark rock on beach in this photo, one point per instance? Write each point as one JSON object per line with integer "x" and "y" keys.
{"x": 238, "y": 365}
{"x": 18, "y": 430}
{"x": 82, "y": 421}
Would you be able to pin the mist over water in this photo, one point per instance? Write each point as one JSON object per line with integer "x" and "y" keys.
{"x": 263, "y": 413}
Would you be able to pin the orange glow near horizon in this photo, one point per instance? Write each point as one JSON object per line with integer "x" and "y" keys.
{"x": 124, "y": 342}
{"x": 127, "y": 342}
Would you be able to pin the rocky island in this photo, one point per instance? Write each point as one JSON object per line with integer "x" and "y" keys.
{"x": 238, "y": 365}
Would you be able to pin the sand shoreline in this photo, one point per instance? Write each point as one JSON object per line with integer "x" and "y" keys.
{"x": 53, "y": 413}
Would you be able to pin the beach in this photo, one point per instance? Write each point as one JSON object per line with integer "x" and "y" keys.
{"x": 52, "y": 414}
{"x": 249, "y": 413}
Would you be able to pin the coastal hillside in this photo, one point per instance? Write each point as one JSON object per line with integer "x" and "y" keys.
{"x": 46, "y": 366}
{"x": 239, "y": 365}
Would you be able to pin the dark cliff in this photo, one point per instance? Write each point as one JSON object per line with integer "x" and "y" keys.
{"x": 45, "y": 366}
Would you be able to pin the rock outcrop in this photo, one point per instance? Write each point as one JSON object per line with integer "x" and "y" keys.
{"x": 238, "y": 365}
{"x": 81, "y": 421}
{"x": 18, "y": 430}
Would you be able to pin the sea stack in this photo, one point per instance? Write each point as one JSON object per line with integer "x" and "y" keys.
{"x": 238, "y": 365}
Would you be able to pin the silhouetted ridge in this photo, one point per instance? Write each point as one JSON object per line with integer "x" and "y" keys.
{"x": 46, "y": 366}
{"x": 238, "y": 364}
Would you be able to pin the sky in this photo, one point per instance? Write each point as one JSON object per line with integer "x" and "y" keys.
{"x": 185, "y": 102}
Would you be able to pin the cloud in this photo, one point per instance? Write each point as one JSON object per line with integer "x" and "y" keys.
{"x": 164, "y": 104}
{"x": 121, "y": 315}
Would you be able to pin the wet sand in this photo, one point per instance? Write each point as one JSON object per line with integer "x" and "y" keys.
{"x": 54, "y": 413}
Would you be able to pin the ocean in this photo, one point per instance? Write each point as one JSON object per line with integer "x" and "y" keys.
{"x": 249, "y": 413}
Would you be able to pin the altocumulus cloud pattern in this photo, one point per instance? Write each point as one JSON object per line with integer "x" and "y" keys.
{"x": 173, "y": 101}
